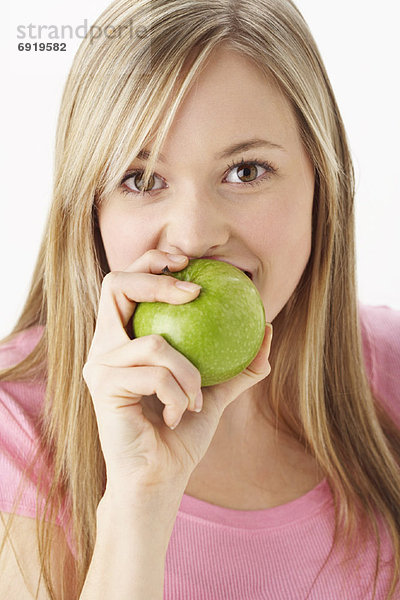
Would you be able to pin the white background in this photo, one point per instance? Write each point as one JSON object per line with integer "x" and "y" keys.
{"x": 360, "y": 46}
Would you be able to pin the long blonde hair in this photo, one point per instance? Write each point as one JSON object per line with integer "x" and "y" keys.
{"x": 123, "y": 91}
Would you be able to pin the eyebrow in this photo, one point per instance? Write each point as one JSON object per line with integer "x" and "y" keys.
{"x": 233, "y": 149}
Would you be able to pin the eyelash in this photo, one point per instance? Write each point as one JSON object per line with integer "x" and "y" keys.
{"x": 270, "y": 170}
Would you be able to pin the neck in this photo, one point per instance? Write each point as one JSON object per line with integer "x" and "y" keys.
{"x": 250, "y": 463}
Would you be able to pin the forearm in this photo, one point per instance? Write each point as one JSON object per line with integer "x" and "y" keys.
{"x": 131, "y": 544}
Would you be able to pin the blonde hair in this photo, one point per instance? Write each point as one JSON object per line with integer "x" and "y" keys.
{"x": 122, "y": 92}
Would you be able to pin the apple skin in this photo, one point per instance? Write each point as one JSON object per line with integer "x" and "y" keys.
{"x": 220, "y": 331}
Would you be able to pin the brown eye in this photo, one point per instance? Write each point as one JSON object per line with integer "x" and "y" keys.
{"x": 134, "y": 183}
{"x": 247, "y": 173}
{"x": 250, "y": 172}
{"x": 137, "y": 180}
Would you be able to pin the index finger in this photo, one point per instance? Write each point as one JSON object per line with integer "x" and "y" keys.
{"x": 122, "y": 290}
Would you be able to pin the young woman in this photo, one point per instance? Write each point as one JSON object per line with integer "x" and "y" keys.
{"x": 214, "y": 133}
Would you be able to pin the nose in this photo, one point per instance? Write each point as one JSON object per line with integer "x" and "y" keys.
{"x": 196, "y": 225}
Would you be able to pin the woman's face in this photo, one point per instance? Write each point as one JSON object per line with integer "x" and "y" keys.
{"x": 235, "y": 183}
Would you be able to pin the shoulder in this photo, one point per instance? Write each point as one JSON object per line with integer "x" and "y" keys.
{"x": 16, "y": 348}
{"x": 20, "y": 564}
{"x": 380, "y": 330}
{"x": 23, "y": 396}
{"x": 20, "y": 412}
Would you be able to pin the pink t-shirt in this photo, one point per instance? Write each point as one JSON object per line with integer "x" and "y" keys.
{"x": 217, "y": 553}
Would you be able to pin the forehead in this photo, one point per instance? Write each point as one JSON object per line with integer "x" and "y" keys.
{"x": 233, "y": 99}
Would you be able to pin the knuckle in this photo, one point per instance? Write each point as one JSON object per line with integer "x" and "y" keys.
{"x": 90, "y": 375}
{"x": 155, "y": 343}
{"x": 152, "y": 295}
{"x": 153, "y": 253}
{"x": 86, "y": 371}
{"x": 93, "y": 374}
{"x": 152, "y": 257}
{"x": 109, "y": 280}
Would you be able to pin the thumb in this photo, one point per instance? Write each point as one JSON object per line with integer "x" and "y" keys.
{"x": 257, "y": 370}
{"x": 260, "y": 367}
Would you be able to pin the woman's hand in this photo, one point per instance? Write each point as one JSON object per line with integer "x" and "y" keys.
{"x": 142, "y": 388}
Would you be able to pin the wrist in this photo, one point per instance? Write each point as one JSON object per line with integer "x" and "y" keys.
{"x": 132, "y": 538}
{"x": 149, "y": 509}
{"x": 143, "y": 496}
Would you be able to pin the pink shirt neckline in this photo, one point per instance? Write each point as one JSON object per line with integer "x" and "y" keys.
{"x": 294, "y": 511}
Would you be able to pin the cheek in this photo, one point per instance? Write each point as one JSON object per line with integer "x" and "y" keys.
{"x": 125, "y": 237}
{"x": 283, "y": 244}
{"x": 283, "y": 234}
{"x": 290, "y": 239}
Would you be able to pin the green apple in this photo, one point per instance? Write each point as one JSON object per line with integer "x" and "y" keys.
{"x": 220, "y": 331}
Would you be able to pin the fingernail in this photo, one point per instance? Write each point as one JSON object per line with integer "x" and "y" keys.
{"x": 187, "y": 286}
{"x": 271, "y": 328}
{"x": 198, "y": 402}
{"x": 176, "y": 258}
